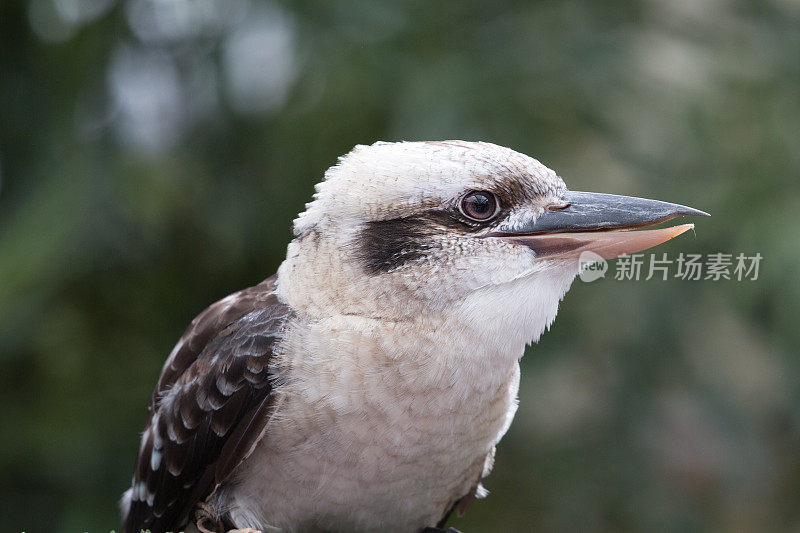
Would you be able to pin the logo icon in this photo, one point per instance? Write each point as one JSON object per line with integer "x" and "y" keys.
{"x": 591, "y": 266}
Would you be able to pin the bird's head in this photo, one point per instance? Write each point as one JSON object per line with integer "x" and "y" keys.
{"x": 423, "y": 228}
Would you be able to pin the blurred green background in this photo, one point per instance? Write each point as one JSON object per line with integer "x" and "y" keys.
{"x": 154, "y": 152}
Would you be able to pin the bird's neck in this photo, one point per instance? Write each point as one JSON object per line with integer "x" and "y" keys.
{"x": 489, "y": 326}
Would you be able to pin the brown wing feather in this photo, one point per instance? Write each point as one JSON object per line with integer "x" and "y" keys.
{"x": 209, "y": 408}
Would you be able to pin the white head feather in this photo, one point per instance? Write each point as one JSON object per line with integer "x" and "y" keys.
{"x": 480, "y": 279}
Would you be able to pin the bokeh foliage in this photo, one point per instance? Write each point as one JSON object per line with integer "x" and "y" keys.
{"x": 154, "y": 152}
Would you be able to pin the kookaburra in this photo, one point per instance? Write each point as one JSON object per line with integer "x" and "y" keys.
{"x": 365, "y": 386}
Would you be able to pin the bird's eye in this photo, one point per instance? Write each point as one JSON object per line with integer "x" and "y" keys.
{"x": 479, "y": 205}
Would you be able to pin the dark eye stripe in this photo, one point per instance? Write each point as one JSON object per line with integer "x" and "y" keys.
{"x": 389, "y": 244}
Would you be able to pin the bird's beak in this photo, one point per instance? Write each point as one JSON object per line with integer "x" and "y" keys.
{"x": 601, "y": 223}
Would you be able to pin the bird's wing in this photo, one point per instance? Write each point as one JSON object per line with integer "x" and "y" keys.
{"x": 209, "y": 409}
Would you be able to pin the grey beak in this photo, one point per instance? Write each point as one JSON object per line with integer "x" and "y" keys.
{"x": 592, "y": 211}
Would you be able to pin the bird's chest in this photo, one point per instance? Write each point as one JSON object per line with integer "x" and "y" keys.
{"x": 369, "y": 438}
